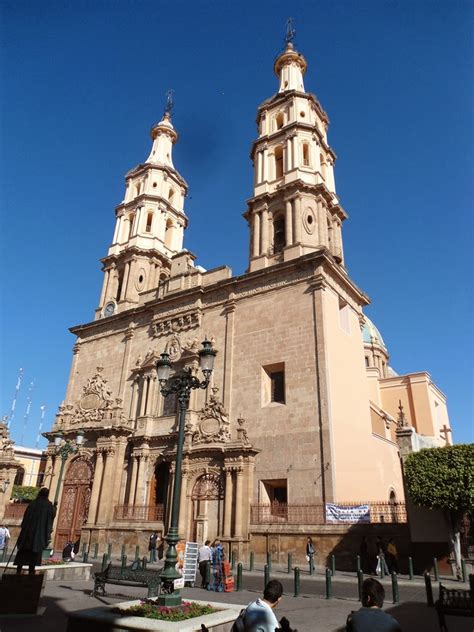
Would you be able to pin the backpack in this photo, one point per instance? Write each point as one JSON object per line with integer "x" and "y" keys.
{"x": 239, "y": 623}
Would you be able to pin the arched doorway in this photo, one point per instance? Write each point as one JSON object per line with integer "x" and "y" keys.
{"x": 75, "y": 500}
{"x": 208, "y": 500}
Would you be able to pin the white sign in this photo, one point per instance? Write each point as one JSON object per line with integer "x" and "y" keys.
{"x": 347, "y": 514}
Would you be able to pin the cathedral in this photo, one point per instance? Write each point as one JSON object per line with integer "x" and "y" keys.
{"x": 303, "y": 412}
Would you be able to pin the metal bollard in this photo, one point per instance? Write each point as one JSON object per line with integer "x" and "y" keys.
{"x": 239, "y": 576}
{"x": 137, "y": 552}
{"x": 382, "y": 568}
{"x": 122, "y": 552}
{"x": 395, "y": 591}
{"x": 124, "y": 561}
{"x": 105, "y": 561}
{"x": 328, "y": 584}
{"x": 464, "y": 570}
{"x": 109, "y": 551}
{"x": 266, "y": 575}
{"x": 232, "y": 559}
{"x": 358, "y": 564}
{"x": 269, "y": 562}
{"x": 435, "y": 569}
{"x": 290, "y": 562}
{"x": 410, "y": 568}
{"x": 144, "y": 562}
{"x": 297, "y": 582}
{"x": 310, "y": 565}
{"x": 85, "y": 557}
{"x": 333, "y": 564}
{"x": 96, "y": 550}
{"x": 429, "y": 590}
{"x": 360, "y": 581}
{"x": 252, "y": 561}
{"x": 84, "y": 546}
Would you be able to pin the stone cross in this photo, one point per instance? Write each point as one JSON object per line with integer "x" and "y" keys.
{"x": 444, "y": 433}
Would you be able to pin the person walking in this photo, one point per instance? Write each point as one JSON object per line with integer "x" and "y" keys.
{"x": 204, "y": 558}
{"x": 35, "y": 533}
{"x": 310, "y": 551}
{"x": 152, "y": 545}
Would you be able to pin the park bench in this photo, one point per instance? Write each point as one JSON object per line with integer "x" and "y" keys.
{"x": 454, "y": 602}
{"x": 134, "y": 575}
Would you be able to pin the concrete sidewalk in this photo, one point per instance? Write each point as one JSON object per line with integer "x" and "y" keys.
{"x": 308, "y": 613}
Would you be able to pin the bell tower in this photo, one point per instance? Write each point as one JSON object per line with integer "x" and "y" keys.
{"x": 294, "y": 209}
{"x": 150, "y": 223}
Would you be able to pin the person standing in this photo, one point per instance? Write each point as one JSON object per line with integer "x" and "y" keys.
{"x": 4, "y": 538}
{"x": 204, "y": 557}
{"x": 381, "y": 561}
{"x": 35, "y": 533}
{"x": 310, "y": 551}
{"x": 392, "y": 557}
{"x": 152, "y": 545}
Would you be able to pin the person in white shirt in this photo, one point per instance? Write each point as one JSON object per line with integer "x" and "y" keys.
{"x": 4, "y": 537}
{"x": 259, "y": 615}
{"x": 204, "y": 556}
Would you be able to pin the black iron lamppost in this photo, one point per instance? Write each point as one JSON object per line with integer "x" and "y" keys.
{"x": 182, "y": 384}
{"x": 63, "y": 448}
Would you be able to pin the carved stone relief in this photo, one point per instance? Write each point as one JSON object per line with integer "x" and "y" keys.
{"x": 213, "y": 423}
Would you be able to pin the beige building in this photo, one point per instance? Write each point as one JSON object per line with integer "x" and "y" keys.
{"x": 303, "y": 407}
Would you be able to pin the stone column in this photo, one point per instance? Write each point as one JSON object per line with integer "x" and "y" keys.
{"x": 144, "y": 382}
{"x": 259, "y": 168}
{"x": 239, "y": 500}
{"x": 133, "y": 480}
{"x": 125, "y": 363}
{"x": 105, "y": 503}
{"x": 294, "y": 153}
{"x": 72, "y": 372}
{"x": 55, "y": 476}
{"x": 118, "y": 460}
{"x": 265, "y": 243}
{"x": 289, "y": 161}
{"x": 183, "y": 505}
{"x": 118, "y": 225}
{"x": 323, "y": 225}
{"x": 289, "y": 223}
{"x": 104, "y": 288}
{"x": 297, "y": 216}
{"x": 126, "y": 274}
{"x": 96, "y": 485}
{"x": 130, "y": 277}
{"x": 228, "y": 503}
{"x": 265, "y": 164}
{"x": 139, "y": 480}
{"x": 229, "y": 310}
{"x": 256, "y": 235}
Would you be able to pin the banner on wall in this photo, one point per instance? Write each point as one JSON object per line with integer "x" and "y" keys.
{"x": 348, "y": 514}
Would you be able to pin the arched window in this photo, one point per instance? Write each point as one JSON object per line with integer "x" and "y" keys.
{"x": 280, "y": 120}
{"x": 306, "y": 154}
{"x": 169, "y": 231}
{"x": 278, "y": 162}
{"x": 131, "y": 219}
{"x": 149, "y": 221}
{"x": 279, "y": 241}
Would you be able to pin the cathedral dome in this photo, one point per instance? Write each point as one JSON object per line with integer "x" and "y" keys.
{"x": 371, "y": 335}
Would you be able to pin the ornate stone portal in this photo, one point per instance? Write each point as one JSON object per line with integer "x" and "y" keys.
{"x": 9, "y": 466}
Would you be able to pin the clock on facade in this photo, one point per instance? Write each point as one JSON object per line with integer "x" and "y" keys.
{"x": 109, "y": 309}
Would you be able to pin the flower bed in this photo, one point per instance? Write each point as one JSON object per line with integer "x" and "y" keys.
{"x": 52, "y": 561}
{"x": 149, "y": 609}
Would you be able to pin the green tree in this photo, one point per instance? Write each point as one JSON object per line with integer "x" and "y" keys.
{"x": 443, "y": 478}
{"x": 24, "y": 493}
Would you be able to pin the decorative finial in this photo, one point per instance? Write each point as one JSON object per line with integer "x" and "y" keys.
{"x": 290, "y": 31}
{"x": 169, "y": 102}
{"x": 401, "y": 421}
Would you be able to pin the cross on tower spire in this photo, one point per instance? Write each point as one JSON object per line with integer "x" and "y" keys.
{"x": 169, "y": 102}
{"x": 290, "y": 32}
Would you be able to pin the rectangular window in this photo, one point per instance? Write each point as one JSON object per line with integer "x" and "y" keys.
{"x": 273, "y": 384}
{"x": 344, "y": 316}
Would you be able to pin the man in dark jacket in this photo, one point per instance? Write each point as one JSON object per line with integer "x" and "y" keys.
{"x": 35, "y": 532}
{"x": 371, "y": 617}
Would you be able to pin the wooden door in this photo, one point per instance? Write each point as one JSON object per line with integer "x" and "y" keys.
{"x": 74, "y": 505}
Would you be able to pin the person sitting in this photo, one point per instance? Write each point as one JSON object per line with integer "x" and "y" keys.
{"x": 259, "y": 615}
{"x": 371, "y": 618}
{"x": 68, "y": 551}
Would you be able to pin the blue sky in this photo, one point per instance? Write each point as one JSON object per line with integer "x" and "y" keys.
{"x": 82, "y": 82}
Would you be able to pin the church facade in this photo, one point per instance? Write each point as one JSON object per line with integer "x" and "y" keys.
{"x": 303, "y": 408}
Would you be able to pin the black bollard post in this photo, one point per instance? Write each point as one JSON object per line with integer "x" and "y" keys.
{"x": 464, "y": 570}
{"x": 232, "y": 559}
{"x": 266, "y": 575}
{"x": 328, "y": 584}
{"x": 137, "y": 552}
{"x": 269, "y": 562}
{"x": 109, "y": 551}
{"x": 357, "y": 563}
{"x": 410, "y": 568}
{"x": 290, "y": 562}
{"x": 395, "y": 591}
{"x": 144, "y": 562}
{"x": 85, "y": 556}
{"x": 360, "y": 581}
{"x": 124, "y": 561}
{"x": 310, "y": 564}
{"x": 96, "y": 550}
{"x": 333, "y": 565}
{"x": 429, "y": 590}
{"x": 252, "y": 561}
{"x": 84, "y": 546}
{"x": 297, "y": 582}
{"x": 105, "y": 561}
{"x": 435, "y": 569}
{"x": 122, "y": 552}
{"x": 239, "y": 576}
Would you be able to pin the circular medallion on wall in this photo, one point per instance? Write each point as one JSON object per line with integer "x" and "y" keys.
{"x": 140, "y": 279}
{"x": 309, "y": 220}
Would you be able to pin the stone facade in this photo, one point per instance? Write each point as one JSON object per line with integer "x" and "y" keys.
{"x": 295, "y": 413}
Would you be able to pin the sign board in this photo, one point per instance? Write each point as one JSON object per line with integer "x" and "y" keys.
{"x": 351, "y": 514}
{"x": 187, "y": 563}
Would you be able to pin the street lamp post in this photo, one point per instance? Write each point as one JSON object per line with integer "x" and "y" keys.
{"x": 182, "y": 384}
{"x": 63, "y": 448}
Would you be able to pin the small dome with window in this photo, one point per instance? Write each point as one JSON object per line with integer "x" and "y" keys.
{"x": 371, "y": 335}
